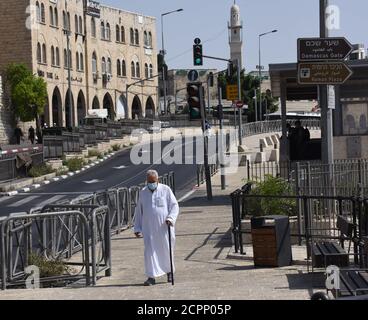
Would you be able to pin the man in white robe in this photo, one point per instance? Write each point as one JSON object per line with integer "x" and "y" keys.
{"x": 156, "y": 209}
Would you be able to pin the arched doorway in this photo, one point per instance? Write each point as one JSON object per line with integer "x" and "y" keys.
{"x": 69, "y": 110}
{"x": 56, "y": 109}
{"x": 95, "y": 103}
{"x": 150, "y": 108}
{"x": 81, "y": 107}
{"x": 121, "y": 108}
{"x": 109, "y": 105}
{"x": 136, "y": 108}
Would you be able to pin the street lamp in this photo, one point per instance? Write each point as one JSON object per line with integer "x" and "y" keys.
{"x": 260, "y": 69}
{"x": 163, "y": 52}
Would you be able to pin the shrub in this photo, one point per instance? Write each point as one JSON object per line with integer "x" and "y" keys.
{"x": 48, "y": 268}
{"x": 94, "y": 153}
{"x": 40, "y": 170}
{"x": 74, "y": 164}
{"x": 272, "y": 186}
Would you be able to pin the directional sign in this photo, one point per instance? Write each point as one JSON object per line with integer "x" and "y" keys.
{"x": 193, "y": 75}
{"x": 333, "y": 73}
{"x": 323, "y": 49}
{"x": 240, "y": 104}
{"x": 232, "y": 92}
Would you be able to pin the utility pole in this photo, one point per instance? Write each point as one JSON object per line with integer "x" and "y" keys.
{"x": 222, "y": 151}
{"x": 326, "y": 113}
{"x": 86, "y": 61}
{"x": 69, "y": 59}
{"x": 205, "y": 143}
{"x": 239, "y": 99}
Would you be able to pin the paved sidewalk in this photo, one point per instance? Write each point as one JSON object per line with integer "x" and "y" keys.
{"x": 204, "y": 267}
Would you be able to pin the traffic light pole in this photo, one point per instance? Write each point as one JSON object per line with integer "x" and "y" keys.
{"x": 205, "y": 145}
{"x": 240, "y": 109}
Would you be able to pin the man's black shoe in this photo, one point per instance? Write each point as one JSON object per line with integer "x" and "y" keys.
{"x": 150, "y": 282}
{"x": 169, "y": 277}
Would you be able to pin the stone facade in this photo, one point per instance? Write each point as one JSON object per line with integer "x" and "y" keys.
{"x": 34, "y": 32}
{"x": 5, "y": 119}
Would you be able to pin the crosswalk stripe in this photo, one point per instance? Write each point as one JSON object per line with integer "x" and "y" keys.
{"x": 23, "y": 201}
{"x": 50, "y": 200}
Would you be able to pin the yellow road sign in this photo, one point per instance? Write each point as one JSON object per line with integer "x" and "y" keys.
{"x": 232, "y": 92}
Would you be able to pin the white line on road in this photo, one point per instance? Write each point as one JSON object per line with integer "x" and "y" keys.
{"x": 22, "y": 202}
{"x": 50, "y": 200}
{"x": 92, "y": 181}
{"x": 26, "y": 189}
{"x": 186, "y": 195}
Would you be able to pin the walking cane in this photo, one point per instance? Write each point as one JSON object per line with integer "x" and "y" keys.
{"x": 171, "y": 257}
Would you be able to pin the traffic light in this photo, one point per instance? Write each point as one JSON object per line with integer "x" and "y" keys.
{"x": 194, "y": 100}
{"x": 197, "y": 55}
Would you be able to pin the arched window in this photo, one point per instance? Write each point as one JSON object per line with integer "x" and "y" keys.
{"x": 117, "y": 33}
{"x": 38, "y": 12}
{"x": 109, "y": 66}
{"x": 77, "y": 61}
{"x": 145, "y": 38}
{"x": 51, "y": 13}
{"x": 122, "y": 34}
{"x": 65, "y": 59}
{"x": 70, "y": 60}
{"x": 65, "y": 21}
{"x": 150, "y": 71}
{"x": 102, "y": 30}
{"x": 76, "y": 24}
{"x": 57, "y": 59}
{"x": 137, "y": 70}
{"x": 44, "y": 54}
{"x": 94, "y": 63}
{"x": 80, "y": 25}
{"x": 150, "y": 39}
{"x": 108, "y": 32}
{"x": 53, "y": 56}
{"x": 131, "y": 36}
{"x": 81, "y": 62}
{"x": 136, "y": 36}
{"x": 56, "y": 17}
{"x": 43, "y": 17}
{"x": 39, "y": 58}
{"x": 103, "y": 65}
{"x": 118, "y": 68}
{"x": 146, "y": 74}
{"x": 123, "y": 68}
{"x": 133, "y": 69}
{"x": 93, "y": 27}
{"x": 68, "y": 18}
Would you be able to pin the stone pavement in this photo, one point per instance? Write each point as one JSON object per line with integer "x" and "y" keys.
{"x": 206, "y": 266}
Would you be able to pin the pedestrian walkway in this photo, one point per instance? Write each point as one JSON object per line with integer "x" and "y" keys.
{"x": 206, "y": 266}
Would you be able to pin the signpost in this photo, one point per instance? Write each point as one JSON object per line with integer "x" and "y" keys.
{"x": 323, "y": 49}
{"x": 323, "y": 73}
{"x": 232, "y": 92}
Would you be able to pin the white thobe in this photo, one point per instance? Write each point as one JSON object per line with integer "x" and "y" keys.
{"x": 151, "y": 213}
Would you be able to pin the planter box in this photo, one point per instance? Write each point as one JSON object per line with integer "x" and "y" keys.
{"x": 43, "y": 178}
{"x": 55, "y": 164}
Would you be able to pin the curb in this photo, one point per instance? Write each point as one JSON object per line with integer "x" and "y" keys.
{"x": 63, "y": 177}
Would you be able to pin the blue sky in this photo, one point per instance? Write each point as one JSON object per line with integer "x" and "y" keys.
{"x": 207, "y": 19}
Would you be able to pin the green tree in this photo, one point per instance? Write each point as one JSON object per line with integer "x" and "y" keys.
{"x": 249, "y": 88}
{"x": 28, "y": 93}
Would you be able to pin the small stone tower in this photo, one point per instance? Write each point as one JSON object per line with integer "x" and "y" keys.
{"x": 236, "y": 35}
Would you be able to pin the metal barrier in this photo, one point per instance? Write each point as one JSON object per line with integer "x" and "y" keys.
{"x": 201, "y": 173}
{"x": 7, "y": 169}
{"x": 17, "y": 233}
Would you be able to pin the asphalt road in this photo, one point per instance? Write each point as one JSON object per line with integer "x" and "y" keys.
{"x": 117, "y": 171}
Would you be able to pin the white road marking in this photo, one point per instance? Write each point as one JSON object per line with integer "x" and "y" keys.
{"x": 186, "y": 195}
{"x": 26, "y": 189}
{"x": 121, "y": 167}
{"x": 50, "y": 200}
{"x": 92, "y": 181}
{"x": 56, "y": 179}
{"x": 23, "y": 201}
{"x": 36, "y": 186}
{"x": 46, "y": 182}
{"x": 2, "y": 199}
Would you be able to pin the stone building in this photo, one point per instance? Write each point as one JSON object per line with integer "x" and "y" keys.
{"x": 108, "y": 49}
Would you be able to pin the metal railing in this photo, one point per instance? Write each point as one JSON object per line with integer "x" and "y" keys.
{"x": 76, "y": 232}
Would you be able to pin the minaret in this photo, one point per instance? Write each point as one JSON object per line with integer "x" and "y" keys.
{"x": 236, "y": 35}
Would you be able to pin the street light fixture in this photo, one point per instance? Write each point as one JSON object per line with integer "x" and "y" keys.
{"x": 164, "y": 53}
{"x": 260, "y": 69}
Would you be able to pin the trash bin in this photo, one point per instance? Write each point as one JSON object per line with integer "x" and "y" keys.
{"x": 271, "y": 241}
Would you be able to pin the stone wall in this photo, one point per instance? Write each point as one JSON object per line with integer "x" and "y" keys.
{"x": 5, "y": 119}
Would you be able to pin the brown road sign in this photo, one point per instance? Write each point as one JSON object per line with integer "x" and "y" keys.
{"x": 333, "y": 73}
{"x": 325, "y": 49}
{"x": 232, "y": 92}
